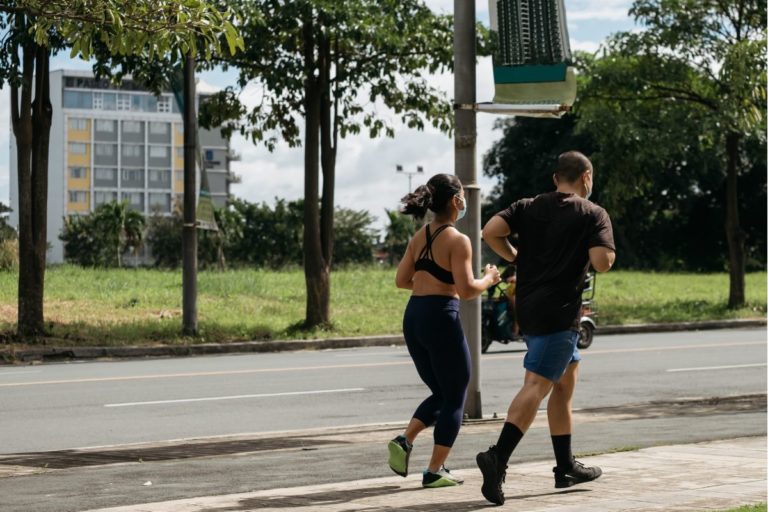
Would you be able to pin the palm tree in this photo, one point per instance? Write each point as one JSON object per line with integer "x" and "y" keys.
{"x": 123, "y": 227}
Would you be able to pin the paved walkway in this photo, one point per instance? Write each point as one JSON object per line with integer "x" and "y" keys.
{"x": 697, "y": 477}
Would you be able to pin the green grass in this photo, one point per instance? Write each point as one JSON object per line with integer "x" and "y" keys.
{"x": 760, "y": 507}
{"x": 139, "y": 306}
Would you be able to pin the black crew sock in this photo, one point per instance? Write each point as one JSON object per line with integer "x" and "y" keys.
{"x": 562, "y": 447}
{"x": 508, "y": 439}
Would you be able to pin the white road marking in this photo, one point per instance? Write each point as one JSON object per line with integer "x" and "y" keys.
{"x": 236, "y": 397}
{"x": 703, "y": 368}
{"x": 405, "y": 361}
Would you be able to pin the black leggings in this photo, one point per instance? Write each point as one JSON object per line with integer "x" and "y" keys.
{"x": 437, "y": 346}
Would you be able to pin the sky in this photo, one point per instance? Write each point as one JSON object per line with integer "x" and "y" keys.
{"x": 366, "y": 178}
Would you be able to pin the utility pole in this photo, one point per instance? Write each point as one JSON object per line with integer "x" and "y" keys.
{"x": 189, "y": 232}
{"x": 464, "y": 58}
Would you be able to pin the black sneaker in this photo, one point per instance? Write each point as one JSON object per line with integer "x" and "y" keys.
{"x": 577, "y": 474}
{"x": 494, "y": 474}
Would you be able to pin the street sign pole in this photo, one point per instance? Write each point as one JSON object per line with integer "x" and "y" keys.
{"x": 189, "y": 231}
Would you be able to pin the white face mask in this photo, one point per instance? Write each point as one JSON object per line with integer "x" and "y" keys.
{"x": 589, "y": 191}
{"x": 463, "y": 211}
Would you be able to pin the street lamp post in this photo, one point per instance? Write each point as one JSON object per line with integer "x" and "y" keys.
{"x": 419, "y": 170}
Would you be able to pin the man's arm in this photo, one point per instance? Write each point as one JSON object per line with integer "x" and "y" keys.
{"x": 602, "y": 258}
{"x": 495, "y": 234}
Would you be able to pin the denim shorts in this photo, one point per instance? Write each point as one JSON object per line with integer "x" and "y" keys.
{"x": 550, "y": 354}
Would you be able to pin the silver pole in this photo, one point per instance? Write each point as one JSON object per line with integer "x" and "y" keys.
{"x": 464, "y": 38}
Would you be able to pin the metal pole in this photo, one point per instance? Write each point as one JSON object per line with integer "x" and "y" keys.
{"x": 189, "y": 233}
{"x": 464, "y": 38}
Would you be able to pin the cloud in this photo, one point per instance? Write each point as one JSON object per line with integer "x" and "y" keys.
{"x": 586, "y": 46}
{"x": 591, "y": 10}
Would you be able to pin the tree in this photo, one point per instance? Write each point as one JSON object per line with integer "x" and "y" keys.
{"x": 101, "y": 238}
{"x": 354, "y": 237}
{"x": 327, "y": 66}
{"x": 36, "y": 29}
{"x": 705, "y": 57}
{"x": 657, "y": 179}
{"x": 400, "y": 229}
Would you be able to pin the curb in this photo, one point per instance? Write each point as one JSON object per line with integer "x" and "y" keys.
{"x": 49, "y": 354}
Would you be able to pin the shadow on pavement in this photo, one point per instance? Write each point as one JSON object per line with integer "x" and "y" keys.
{"x": 64, "y": 459}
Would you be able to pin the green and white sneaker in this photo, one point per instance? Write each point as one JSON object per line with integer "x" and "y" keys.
{"x": 443, "y": 478}
{"x": 399, "y": 453}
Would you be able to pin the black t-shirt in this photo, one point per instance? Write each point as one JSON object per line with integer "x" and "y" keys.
{"x": 555, "y": 232}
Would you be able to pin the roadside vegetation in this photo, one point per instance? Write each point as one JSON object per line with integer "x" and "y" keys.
{"x": 143, "y": 306}
{"x": 760, "y": 507}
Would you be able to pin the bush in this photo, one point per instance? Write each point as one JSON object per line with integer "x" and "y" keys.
{"x": 9, "y": 254}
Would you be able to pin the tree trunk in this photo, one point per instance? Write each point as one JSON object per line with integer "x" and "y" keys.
{"x": 733, "y": 231}
{"x": 31, "y": 127}
{"x": 316, "y": 273}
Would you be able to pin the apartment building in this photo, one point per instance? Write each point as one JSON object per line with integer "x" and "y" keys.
{"x": 113, "y": 143}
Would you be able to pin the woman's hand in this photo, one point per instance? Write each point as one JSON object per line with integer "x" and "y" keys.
{"x": 492, "y": 273}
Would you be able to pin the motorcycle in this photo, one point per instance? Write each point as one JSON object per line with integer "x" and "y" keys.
{"x": 498, "y": 315}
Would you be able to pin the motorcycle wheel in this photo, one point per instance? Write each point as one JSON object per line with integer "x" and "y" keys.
{"x": 586, "y": 333}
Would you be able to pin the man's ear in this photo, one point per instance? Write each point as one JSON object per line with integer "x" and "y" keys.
{"x": 554, "y": 179}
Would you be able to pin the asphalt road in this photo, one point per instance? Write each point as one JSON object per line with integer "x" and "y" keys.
{"x": 62, "y": 406}
{"x": 59, "y": 406}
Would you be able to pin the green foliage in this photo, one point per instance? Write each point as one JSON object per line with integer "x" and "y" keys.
{"x": 662, "y": 186}
{"x": 380, "y": 51}
{"x": 6, "y": 230}
{"x": 400, "y": 229}
{"x": 136, "y": 27}
{"x": 354, "y": 238}
{"x": 259, "y": 235}
{"x": 101, "y": 238}
{"x": 9, "y": 254}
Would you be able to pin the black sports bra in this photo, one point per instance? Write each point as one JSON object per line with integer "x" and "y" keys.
{"x": 426, "y": 260}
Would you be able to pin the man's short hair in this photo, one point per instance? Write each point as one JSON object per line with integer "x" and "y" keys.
{"x": 571, "y": 165}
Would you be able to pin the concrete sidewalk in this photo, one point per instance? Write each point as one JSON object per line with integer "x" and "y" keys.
{"x": 696, "y": 477}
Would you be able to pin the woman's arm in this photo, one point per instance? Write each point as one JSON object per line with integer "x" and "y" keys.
{"x": 461, "y": 266}
{"x": 405, "y": 270}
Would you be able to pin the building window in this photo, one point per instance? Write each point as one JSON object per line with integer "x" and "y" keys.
{"x": 133, "y": 151}
{"x": 104, "y": 149}
{"x": 77, "y": 172}
{"x": 132, "y": 126}
{"x": 78, "y": 148}
{"x": 132, "y": 178}
{"x": 160, "y": 202}
{"x": 105, "y": 174}
{"x": 180, "y": 152}
{"x": 135, "y": 200}
{"x": 105, "y": 126}
{"x": 179, "y": 175}
{"x": 78, "y": 124}
{"x": 164, "y": 104}
{"x": 78, "y": 196}
{"x": 102, "y": 196}
{"x": 98, "y": 101}
{"x": 78, "y": 99}
{"x": 158, "y": 151}
{"x": 158, "y": 128}
{"x": 123, "y": 102}
{"x": 159, "y": 178}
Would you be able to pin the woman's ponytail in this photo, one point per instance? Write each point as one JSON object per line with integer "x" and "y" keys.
{"x": 417, "y": 202}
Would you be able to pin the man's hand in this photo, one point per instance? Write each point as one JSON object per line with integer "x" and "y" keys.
{"x": 495, "y": 234}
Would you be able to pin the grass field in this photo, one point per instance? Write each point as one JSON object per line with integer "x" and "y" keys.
{"x": 138, "y": 306}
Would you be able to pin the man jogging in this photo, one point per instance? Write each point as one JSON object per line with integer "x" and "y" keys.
{"x": 560, "y": 234}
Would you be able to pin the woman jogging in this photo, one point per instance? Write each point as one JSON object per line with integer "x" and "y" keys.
{"x": 437, "y": 267}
